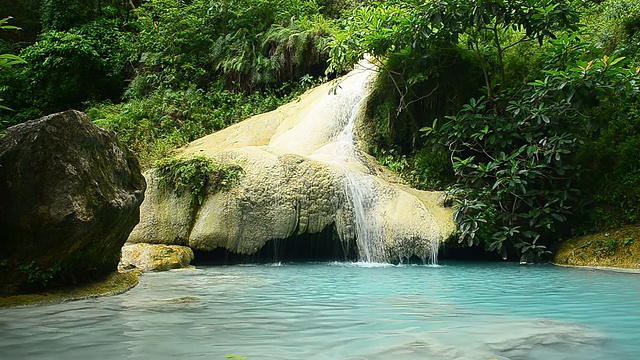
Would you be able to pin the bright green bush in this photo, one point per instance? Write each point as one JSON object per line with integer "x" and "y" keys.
{"x": 513, "y": 145}
{"x": 251, "y": 45}
{"x": 154, "y": 125}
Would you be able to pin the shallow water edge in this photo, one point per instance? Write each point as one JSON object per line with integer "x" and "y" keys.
{"x": 603, "y": 268}
{"x": 115, "y": 284}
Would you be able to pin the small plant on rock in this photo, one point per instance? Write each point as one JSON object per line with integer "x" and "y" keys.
{"x": 194, "y": 174}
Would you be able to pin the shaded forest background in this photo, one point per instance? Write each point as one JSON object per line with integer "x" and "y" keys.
{"x": 526, "y": 111}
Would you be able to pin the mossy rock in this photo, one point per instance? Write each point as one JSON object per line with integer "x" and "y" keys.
{"x": 113, "y": 284}
{"x": 155, "y": 257}
{"x": 619, "y": 248}
{"x": 70, "y": 195}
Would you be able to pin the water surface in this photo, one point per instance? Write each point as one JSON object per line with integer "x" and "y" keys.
{"x": 343, "y": 311}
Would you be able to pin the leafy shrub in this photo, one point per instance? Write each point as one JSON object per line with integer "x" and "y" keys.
{"x": 513, "y": 144}
{"x": 423, "y": 169}
{"x": 66, "y": 69}
{"x": 154, "y": 125}
{"x": 37, "y": 276}
{"x": 251, "y": 45}
{"x": 7, "y": 61}
{"x": 193, "y": 175}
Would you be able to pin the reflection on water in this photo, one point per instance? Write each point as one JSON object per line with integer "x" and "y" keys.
{"x": 343, "y": 311}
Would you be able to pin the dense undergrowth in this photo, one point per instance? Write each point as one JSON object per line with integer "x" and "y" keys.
{"x": 526, "y": 111}
{"x": 163, "y": 72}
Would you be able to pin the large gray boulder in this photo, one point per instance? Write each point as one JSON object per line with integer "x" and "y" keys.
{"x": 69, "y": 196}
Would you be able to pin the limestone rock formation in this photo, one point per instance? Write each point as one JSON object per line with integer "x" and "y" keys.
{"x": 302, "y": 171}
{"x": 616, "y": 248}
{"x": 152, "y": 257}
{"x": 69, "y": 197}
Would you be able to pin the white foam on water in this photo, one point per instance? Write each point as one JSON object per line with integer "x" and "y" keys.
{"x": 360, "y": 264}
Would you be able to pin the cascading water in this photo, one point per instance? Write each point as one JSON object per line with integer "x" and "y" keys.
{"x": 369, "y": 234}
{"x": 359, "y": 190}
{"x": 360, "y": 187}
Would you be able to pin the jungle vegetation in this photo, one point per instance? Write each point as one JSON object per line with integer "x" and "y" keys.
{"x": 526, "y": 112}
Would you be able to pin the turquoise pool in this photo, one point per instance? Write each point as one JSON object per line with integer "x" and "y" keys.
{"x": 343, "y": 311}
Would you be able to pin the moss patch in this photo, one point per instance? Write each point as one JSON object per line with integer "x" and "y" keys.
{"x": 619, "y": 248}
{"x": 194, "y": 174}
{"x": 114, "y": 284}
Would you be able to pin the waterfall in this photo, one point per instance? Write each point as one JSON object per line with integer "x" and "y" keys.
{"x": 359, "y": 187}
{"x": 369, "y": 234}
{"x": 359, "y": 190}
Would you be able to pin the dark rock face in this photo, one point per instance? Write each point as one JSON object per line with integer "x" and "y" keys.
{"x": 69, "y": 197}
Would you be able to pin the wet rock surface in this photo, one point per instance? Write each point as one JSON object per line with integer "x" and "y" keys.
{"x": 154, "y": 257}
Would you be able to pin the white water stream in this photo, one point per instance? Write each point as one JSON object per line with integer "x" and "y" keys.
{"x": 359, "y": 186}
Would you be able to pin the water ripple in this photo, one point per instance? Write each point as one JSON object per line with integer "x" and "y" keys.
{"x": 343, "y": 311}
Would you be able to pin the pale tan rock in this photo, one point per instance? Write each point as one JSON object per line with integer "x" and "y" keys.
{"x": 155, "y": 257}
{"x": 277, "y": 196}
{"x": 301, "y": 173}
{"x": 165, "y": 218}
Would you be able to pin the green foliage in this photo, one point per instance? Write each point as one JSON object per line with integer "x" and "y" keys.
{"x": 251, "y": 45}
{"x": 68, "y": 68}
{"x": 194, "y": 75}
{"x": 8, "y": 60}
{"x": 62, "y": 15}
{"x": 423, "y": 169}
{"x": 185, "y": 68}
{"x": 610, "y": 179}
{"x": 335, "y": 8}
{"x": 287, "y": 44}
{"x": 606, "y": 246}
{"x": 154, "y": 125}
{"x": 513, "y": 145}
{"x": 395, "y": 162}
{"x": 193, "y": 175}
{"x": 412, "y": 30}
{"x": 36, "y": 275}
{"x": 610, "y": 176}
{"x": 614, "y": 25}
{"x": 512, "y": 157}
{"x": 394, "y": 131}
